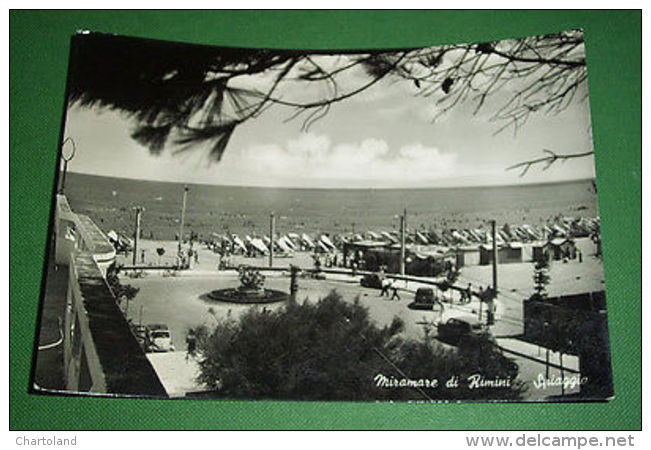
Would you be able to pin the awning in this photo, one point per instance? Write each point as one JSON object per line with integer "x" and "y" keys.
{"x": 259, "y": 245}
{"x": 327, "y": 242}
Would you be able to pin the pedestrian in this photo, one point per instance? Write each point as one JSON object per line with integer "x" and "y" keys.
{"x": 386, "y": 284}
{"x": 191, "y": 341}
{"x": 196, "y": 257}
{"x": 142, "y": 256}
{"x": 580, "y": 256}
{"x": 469, "y": 293}
{"x": 395, "y": 294}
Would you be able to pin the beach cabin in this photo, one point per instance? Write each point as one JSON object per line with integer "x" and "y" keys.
{"x": 506, "y": 254}
{"x": 426, "y": 261}
{"x": 466, "y": 255}
{"x": 382, "y": 257}
{"x": 420, "y": 260}
{"x": 358, "y": 251}
{"x": 561, "y": 248}
{"x": 555, "y": 250}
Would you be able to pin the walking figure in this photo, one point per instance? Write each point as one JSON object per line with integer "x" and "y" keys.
{"x": 395, "y": 294}
{"x": 386, "y": 284}
{"x": 191, "y": 341}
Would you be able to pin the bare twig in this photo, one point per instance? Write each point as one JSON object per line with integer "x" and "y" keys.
{"x": 547, "y": 161}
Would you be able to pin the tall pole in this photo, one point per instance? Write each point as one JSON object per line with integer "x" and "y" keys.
{"x": 404, "y": 214}
{"x": 494, "y": 236}
{"x": 136, "y": 234}
{"x": 185, "y": 197}
{"x": 272, "y": 231}
{"x": 491, "y": 318}
{"x": 63, "y": 177}
{"x": 403, "y": 225}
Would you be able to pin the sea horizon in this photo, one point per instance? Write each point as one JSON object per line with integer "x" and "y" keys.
{"x": 316, "y": 188}
{"x": 245, "y": 209}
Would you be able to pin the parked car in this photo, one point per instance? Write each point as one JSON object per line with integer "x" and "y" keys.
{"x": 456, "y": 328}
{"x": 160, "y": 338}
{"x": 371, "y": 281}
{"x": 425, "y": 299}
{"x": 483, "y": 350}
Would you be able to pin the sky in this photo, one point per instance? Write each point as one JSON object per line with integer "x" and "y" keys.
{"x": 384, "y": 137}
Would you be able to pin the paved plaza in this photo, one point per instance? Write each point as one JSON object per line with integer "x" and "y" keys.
{"x": 181, "y": 301}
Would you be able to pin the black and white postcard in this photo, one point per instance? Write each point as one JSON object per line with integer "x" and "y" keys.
{"x": 412, "y": 224}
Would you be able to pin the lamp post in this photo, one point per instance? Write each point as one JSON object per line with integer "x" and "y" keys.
{"x": 491, "y": 315}
{"x": 185, "y": 197}
{"x": 67, "y": 153}
{"x": 403, "y": 231}
{"x": 136, "y": 233}
{"x": 272, "y": 231}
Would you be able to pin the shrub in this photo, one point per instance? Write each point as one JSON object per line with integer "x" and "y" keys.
{"x": 329, "y": 350}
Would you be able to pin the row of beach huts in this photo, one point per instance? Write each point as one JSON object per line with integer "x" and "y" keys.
{"x": 286, "y": 244}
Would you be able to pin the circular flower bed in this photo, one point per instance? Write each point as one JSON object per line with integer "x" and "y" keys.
{"x": 240, "y": 295}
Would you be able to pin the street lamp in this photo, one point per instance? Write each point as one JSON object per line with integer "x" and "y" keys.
{"x": 67, "y": 153}
{"x": 185, "y": 196}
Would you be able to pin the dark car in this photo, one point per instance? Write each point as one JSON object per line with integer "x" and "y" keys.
{"x": 456, "y": 328}
{"x": 482, "y": 350}
{"x": 424, "y": 299}
{"x": 372, "y": 281}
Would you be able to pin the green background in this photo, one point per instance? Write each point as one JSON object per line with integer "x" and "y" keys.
{"x": 39, "y": 42}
